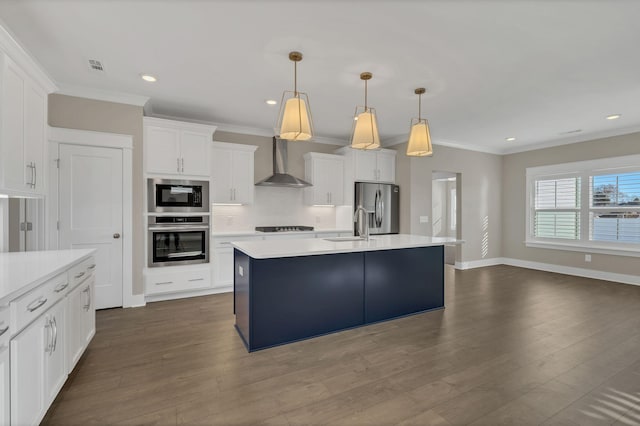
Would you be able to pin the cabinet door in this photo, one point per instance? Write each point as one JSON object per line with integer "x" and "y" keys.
{"x": 365, "y": 166}
{"x": 162, "y": 150}
{"x": 88, "y": 311}
{"x": 242, "y": 177}
{"x": 335, "y": 174}
{"x": 386, "y": 167}
{"x": 322, "y": 181}
{"x": 35, "y": 136}
{"x": 194, "y": 151}
{"x": 5, "y": 400}
{"x": 75, "y": 308}
{"x": 223, "y": 267}
{"x": 221, "y": 175}
{"x": 17, "y": 175}
{"x": 55, "y": 371}
{"x": 28, "y": 352}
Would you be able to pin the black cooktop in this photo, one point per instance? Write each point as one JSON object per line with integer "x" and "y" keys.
{"x": 293, "y": 228}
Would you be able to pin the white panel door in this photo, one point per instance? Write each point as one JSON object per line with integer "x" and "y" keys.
{"x": 242, "y": 177}
{"x": 162, "y": 150}
{"x": 194, "y": 149}
{"x": 28, "y": 352}
{"x": 16, "y": 174}
{"x": 336, "y": 182}
{"x": 90, "y": 206}
{"x": 221, "y": 175}
{"x": 386, "y": 167}
{"x": 35, "y": 135}
{"x": 365, "y": 167}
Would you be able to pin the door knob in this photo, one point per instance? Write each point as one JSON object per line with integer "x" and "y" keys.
{"x": 116, "y": 235}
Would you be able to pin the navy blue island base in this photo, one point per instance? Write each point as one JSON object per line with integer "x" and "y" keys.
{"x": 282, "y": 300}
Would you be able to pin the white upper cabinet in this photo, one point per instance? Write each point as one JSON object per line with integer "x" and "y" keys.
{"x": 177, "y": 148}
{"x": 326, "y": 173}
{"x": 232, "y": 180}
{"x": 23, "y": 112}
{"x": 370, "y": 166}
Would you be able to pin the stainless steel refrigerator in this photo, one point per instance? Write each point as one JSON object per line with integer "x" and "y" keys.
{"x": 382, "y": 204}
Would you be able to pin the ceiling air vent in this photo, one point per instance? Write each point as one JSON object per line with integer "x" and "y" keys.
{"x": 95, "y": 65}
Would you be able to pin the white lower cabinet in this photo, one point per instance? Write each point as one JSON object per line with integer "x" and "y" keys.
{"x": 5, "y": 400}
{"x": 56, "y": 329}
{"x": 38, "y": 366}
{"x": 81, "y": 320}
{"x": 177, "y": 279}
{"x": 223, "y": 267}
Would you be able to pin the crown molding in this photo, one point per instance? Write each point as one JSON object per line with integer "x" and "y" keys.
{"x": 102, "y": 95}
{"x": 9, "y": 44}
{"x": 574, "y": 139}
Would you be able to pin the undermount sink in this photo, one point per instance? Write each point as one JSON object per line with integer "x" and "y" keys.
{"x": 340, "y": 239}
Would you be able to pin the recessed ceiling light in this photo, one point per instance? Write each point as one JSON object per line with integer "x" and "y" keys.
{"x": 613, "y": 116}
{"x": 149, "y": 78}
{"x": 510, "y": 139}
{"x": 271, "y": 102}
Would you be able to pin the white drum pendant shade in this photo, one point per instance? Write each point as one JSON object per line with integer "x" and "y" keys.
{"x": 420, "y": 140}
{"x": 365, "y": 132}
{"x": 296, "y": 122}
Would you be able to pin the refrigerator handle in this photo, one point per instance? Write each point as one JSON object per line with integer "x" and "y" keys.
{"x": 380, "y": 209}
{"x": 375, "y": 211}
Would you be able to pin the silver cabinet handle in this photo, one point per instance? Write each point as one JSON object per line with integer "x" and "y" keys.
{"x": 91, "y": 267}
{"x": 49, "y": 327}
{"x": 116, "y": 235}
{"x": 55, "y": 335}
{"x": 79, "y": 275}
{"x": 178, "y": 162}
{"x": 88, "y": 304}
{"x": 36, "y": 304}
{"x": 35, "y": 175}
{"x": 196, "y": 279}
{"x": 231, "y": 194}
{"x": 4, "y": 330}
{"x": 61, "y": 287}
{"x": 182, "y": 164}
{"x": 164, "y": 282}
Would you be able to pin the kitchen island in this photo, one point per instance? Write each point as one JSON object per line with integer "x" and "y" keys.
{"x": 290, "y": 290}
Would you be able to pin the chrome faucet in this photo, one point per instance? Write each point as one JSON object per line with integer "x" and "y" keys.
{"x": 359, "y": 228}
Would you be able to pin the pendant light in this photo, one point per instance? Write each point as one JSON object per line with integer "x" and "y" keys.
{"x": 419, "y": 138}
{"x": 365, "y": 127}
{"x": 294, "y": 119}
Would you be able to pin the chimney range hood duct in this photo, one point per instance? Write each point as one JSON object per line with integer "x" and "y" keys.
{"x": 280, "y": 177}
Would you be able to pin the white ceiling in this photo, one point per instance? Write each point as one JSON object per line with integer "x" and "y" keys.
{"x": 493, "y": 69}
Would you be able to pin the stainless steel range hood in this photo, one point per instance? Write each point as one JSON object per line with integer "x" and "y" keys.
{"x": 280, "y": 177}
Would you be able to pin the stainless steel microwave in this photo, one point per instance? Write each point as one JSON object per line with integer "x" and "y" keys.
{"x": 178, "y": 196}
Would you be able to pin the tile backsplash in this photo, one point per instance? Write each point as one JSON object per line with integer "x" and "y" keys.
{"x": 272, "y": 207}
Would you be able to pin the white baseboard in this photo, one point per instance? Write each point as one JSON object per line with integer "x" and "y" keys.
{"x": 134, "y": 301}
{"x": 184, "y": 295}
{"x": 568, "y": 270}
{"x": 479, "y": 263}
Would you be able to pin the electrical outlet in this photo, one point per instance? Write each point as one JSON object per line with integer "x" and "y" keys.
{"x": 424, "y": 219}
{"x": 587, "y": 258}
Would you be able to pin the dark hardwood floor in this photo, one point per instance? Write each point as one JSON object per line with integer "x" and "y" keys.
{"x": 513, "y": 346}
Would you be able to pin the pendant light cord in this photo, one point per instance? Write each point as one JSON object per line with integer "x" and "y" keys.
{"x": 419, "y": 106}
{"x": 295, "y": 79}
{"x": 365, "y": 96}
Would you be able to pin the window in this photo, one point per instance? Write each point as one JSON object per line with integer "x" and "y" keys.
{"x": 585, "y": 205}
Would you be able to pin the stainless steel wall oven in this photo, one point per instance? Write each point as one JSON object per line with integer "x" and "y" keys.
{"x": 177, "y": 196}
{"x": 178, "y": 240}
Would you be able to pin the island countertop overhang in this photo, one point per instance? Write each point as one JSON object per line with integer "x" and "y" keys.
{"x": 269, "y": 249}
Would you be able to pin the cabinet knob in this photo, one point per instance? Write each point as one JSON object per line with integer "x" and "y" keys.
{"x": 116, "y": 235}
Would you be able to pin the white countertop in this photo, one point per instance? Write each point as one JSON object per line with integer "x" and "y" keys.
{"x": 23, "y": 271}
{"x": 316, "y": 246}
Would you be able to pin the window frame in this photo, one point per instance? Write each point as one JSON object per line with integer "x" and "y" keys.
{"x": 584, "y": 170}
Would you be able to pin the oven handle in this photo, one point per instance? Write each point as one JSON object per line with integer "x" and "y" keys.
{"x": 178, "y": 228}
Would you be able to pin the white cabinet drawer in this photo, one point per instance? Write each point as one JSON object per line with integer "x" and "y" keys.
{"x": 81, "y": 272}
{"x": 5, "y": 330}
{"x": 173, "y": 282}
{"x": 30, "y": 306}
